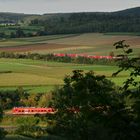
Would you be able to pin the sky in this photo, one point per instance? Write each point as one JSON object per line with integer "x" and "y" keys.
{"x": 64, "y": 6}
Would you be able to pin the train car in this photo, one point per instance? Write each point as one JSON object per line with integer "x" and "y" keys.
{"x": 32, "y": 110}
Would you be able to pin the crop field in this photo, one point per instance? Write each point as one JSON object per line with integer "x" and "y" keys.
{"x": 29, "y": 41}
{"x": 36, "y": 76}
{"x": 42, "y": 76}
{"x": 88, "y": 43}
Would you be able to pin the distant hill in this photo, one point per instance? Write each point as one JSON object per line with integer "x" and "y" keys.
{"x": 16, "y": 17}
{"x": 129, "y": 12}
{"x": 64, "y": 23}
{"x": 121, "y": 21}
{"x": 11, "y": 17}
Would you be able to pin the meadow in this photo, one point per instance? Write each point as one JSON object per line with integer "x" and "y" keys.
{"x": 41, "y": 76}
{"x": 36, "y": 76}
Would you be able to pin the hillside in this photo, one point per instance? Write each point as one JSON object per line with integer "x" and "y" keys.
{"x": 68, "y": 23}
{"x": 11, "y": 17}
{"x": 120, "y": 21}
{"x": 131, "y": 12}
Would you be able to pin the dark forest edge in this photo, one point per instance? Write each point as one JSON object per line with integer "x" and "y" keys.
{"x": 20, "y": 25}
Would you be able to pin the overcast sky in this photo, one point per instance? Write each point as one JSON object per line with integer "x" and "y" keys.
{"x": 55, "y": 6}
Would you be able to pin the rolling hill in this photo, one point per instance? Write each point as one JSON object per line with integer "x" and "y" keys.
{"x": 68, "y": 23}
{"x": 63, "y": 23}
{"x": 131, "y": 12}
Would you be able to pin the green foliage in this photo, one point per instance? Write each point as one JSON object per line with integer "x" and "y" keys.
{"x": 31, "y": 121}
{"x": 85, "y": 104}
{"x": 131, "y": 97}
{"x": 20, "y": 97}
{"x": 38, "y": 25}
{"x": 52, "y": 57}
{"x": 90, "y": 107}
{"x": 11, "y": 99}
{"x": 127, "y": 63}
{"x": 28, "y": 127}
{"x": 2, "y": 132}
{"x": 30, "y": 131}
{"x": 1, "y": 112}
{"x": 89, "y": 22}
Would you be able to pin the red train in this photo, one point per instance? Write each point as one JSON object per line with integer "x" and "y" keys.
{"x": 32, "y": 110}
{"x": 83, "y": 55}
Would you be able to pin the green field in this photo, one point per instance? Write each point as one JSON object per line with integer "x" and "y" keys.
{"x": 41, "y": 76}
{"x": 37, "y": 76}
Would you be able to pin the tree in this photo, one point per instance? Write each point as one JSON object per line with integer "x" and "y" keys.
{"x": 130, "y": 89}
{"x": 44, "y": 100}
{"x": 85, "y": 104}
{"x": 1, "y": 112}
{"x": 111, "y": 54}
{"x": 28, "y": 126}
{"x": 2, "y": 132}
{"x": 2, "y": 35}
{"x": 19, "y": 33}
{"x": 90, "y": 107}
{"x": 12, "y": 35}
{"x": 128, "y": 63}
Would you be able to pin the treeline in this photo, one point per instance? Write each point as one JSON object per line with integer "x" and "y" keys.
{"x": 21, "y": 97}
{"x": 18, "y": 33}
{"x": 88, "y": 22}
{"x": 29, "y": 125}
{"x": 52, "y": 57}
{"x": 12, "y": 17}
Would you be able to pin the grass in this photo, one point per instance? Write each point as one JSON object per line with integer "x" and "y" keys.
{"x": 42, "y": 76}
{"x": 31, "y": 89}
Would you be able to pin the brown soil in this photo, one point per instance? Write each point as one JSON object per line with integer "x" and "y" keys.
{"x": 36, "y": 47}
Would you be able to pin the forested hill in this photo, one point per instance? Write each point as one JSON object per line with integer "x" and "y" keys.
{"x": 64, "y": 23}
{"x": 121, "y": 21}
{"x": 130, "y": 12}
{"x": 11, "y": 17}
